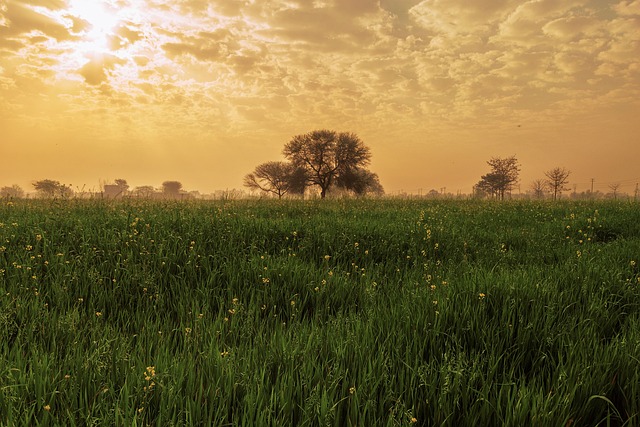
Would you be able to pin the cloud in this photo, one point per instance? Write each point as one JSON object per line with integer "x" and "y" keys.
{"x": 49, "y": 4}
{"x": 459, "y": 17}
{"x": 524, "y": 25}
{"x": 79, "y": 25}
{"x": 571, "y": 28}
{"x": 628, "y": 7}
{"x": 239, "y": 65}
{"x": 21, "y": 20}
{"x": 125, "y": 34}
{"x": 204, "y": 46}
{"x": 326, "y": 26}
{"x": 96, "y": 71}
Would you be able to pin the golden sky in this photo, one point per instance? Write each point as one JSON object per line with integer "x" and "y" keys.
{"x": 203, "y": 91}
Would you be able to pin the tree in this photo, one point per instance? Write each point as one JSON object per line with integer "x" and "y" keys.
{"x": 614, "y": 188}
{"x": 539, "y": 186}
{"x": 557, "y": 179}
{"x": 51, "y": 188}
{"x": 325, "y": 155}
{"x": 144, "y": 191}
{"x": 503, "y": 176}
{"x": 490, "y": 184}
{"x": 171, "y": 188}
{"x": 278, "y": 178}
{"x": 13, "y": 192}
{"x": 360, "y": 181}
{"x": 122, "y": 184}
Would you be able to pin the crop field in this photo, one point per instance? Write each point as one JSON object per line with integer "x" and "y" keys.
{"x": 319, "y": 313}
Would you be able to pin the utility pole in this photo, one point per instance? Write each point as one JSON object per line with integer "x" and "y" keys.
{"x": 635, "y": 196}
{"x": 592, "y": 186}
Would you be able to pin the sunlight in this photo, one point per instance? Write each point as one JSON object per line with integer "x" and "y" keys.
{"x": 102, "y": 19}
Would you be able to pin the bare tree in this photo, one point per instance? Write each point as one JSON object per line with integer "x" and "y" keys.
{"x": 539, "y": 186}
{"x": 557, "y": 179}
{"x": 325, "y": 154}
{"x": 614, "y": 188}
{"x": 278, "y": 178}
{"x": 13, "y": 192}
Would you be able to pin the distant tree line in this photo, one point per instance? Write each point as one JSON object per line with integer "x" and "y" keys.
{"x": 324, "y": 159}
{"x": 504, "y": 175}
{"x": 49, "y": 188}
{"x": 168, "y": 190}
{"x": 332, "y": 162}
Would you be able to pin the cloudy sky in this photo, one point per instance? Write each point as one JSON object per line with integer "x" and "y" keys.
{"x": 203, "y": 91}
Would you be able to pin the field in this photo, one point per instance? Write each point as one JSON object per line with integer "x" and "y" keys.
{"x": 319, "y": 313}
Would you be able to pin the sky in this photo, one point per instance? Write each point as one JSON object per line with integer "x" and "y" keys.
{"x": 204, "y": 91}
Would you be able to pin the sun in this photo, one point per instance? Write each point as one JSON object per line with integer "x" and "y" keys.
{"x": 100, "y": 18}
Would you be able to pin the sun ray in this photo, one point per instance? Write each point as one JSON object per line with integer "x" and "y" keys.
{"x": 101, "y": 19}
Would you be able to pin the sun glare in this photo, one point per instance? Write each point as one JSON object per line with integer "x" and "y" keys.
{"x": 101, "y": 20}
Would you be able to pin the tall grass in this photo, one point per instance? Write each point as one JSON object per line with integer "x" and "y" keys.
{"x": 319, "y": 313}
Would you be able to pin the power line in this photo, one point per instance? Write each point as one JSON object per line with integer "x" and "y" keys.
{"x": 601, "y": 183}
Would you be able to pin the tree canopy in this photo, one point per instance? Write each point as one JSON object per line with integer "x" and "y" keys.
{"x": 331, "y": 159}
{"x": 503, "y": 176}
{"x": 278, "y": 178}
{"x": 122, "y": 184}
{"x": 171, "y": 188}
{"x": 15, "y": 191}
{"x": 51, "y": 188}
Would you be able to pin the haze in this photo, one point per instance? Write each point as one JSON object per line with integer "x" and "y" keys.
{"x": 203, "y": 91}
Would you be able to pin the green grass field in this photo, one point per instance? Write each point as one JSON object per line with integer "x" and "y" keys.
{"x": 319, "y": 313}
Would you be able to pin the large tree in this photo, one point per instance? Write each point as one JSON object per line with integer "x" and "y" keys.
{"x": 360, "y": 181}
{"x": 171, "y": 188}
{"x": 51, "y": 188}
{"x": 503, "y": 176}
{"x": 557, "y": 179}
{"x": 325, "y": 155}
{"x": 278, "y": 178}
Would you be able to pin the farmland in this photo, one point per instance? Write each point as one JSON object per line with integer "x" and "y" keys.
{"x": 337, "y": 312}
